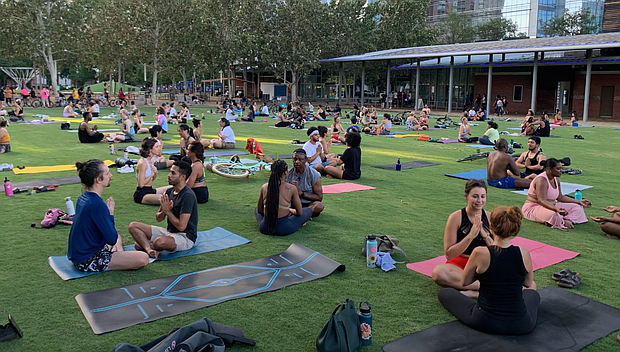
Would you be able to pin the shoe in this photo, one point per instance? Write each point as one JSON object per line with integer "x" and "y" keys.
{"x": 126, "y": 169}
{"x": 572, "y": 281}
{"x": 575, "y": 172}
{"x": 578, "y": 136}
{"x": 562, "y": 274}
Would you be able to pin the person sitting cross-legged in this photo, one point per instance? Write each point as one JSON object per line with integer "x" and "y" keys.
{"x": 508, "y": 301}
{"x": 94, "y": 244}
{"x": 179, "y": 206}
{"x": 610, "y": 225}
{"x": 349, "y": 161}
{"x": 498, "y": 164}
{"x": 466, "y": 229}
{"x": 146, "y": 172}
{"x": 279, "y": 211}
{"x": 308, "y": 182}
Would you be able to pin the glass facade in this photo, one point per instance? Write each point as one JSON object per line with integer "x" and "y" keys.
{"x": 527, "y": 14}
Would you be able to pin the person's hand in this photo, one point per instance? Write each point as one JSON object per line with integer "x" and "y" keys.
{"x": 612, "y": 209}
{"x": 319, "y": 148}
{"x": 95, "y": 127}
{"x": 597, "y": 218}
{"x": 110, "y": 203}
{"x": 527, "y": 162}
{"x": 585, "y": 203}
{"x": 562, "y": 211}
{"x": 476, "y": 226}
{"x": 165, "y": 203}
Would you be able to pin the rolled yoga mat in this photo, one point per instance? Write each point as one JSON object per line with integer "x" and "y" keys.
{"x": 407, "y": 165}
{"x": 118, "y": 308}
{"x": 38, "y": 169}
{"x": 566, "y": 322}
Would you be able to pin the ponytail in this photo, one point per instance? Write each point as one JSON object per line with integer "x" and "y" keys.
{"x": 278, "y": 168}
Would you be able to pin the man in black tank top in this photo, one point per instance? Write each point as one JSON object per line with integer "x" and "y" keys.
{"x": 531, "y": 159}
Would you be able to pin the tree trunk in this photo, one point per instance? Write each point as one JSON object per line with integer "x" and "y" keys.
{"x": 155, "y": 62}
{"x": 119, "y": 75}
{"x": 184, "y": 75}
{"x": 49, "y": 61}
{"x": 294, "y": 84}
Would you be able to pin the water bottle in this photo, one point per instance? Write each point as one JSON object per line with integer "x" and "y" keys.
{"x": 70, "y": 207}
{"x": 398, "y": 165}
{"x": 112, "y": 152}
{"x": 8, "y": 188}
{"x": 126, "y": 154}
{"x": 365, "y": 317}
{"x": 371, "y": 251}
{"x": 578, "y": 195}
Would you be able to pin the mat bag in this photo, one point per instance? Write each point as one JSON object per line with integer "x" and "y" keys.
{"x": 65, "y": 125}
{"x": 342, "y": 332}
{"x": 424, "y": 138}
{"x": 385, "y": 244}
{"x": 200, "y": 336}
{"x": 51, "y": 217}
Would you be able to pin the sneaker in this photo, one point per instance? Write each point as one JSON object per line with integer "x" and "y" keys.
{"x": 126, "y": 169}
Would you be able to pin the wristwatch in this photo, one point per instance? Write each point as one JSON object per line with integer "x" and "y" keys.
{"x": 302, "y": 194}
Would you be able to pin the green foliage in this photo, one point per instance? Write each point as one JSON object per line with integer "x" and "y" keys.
{"x": 412, "y": 204}
{"x": 456, "y": 27}
{"x": 497, "y": 29}
{"x": 402, "y": 23}
{"x": 571, "y": 23}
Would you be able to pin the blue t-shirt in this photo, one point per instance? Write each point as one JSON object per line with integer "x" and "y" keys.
{"x": 93, "y": 228}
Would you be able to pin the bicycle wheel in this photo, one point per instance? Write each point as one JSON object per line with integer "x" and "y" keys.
{"x": 36, "y": 104}
{"x": 228, "y": 170}
{"x": 112, "y": 103}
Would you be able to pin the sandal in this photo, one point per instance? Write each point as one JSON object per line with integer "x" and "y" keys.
{"x": 572, "y": 281}
{"x": 578, "y": 136}
{"x": 562, "y": 274}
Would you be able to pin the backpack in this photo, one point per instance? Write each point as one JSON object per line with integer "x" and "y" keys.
{"x": 385, "y": 244}
{"x": 51, "y": 217}
{"x": 65, "y": 125}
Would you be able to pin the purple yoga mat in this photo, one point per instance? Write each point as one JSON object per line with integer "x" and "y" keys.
{"x": 448, "y": 141}
{"x": 40, "y": 122}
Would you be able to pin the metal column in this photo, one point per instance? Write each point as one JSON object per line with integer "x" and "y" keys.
{"x": 586, "y": 95}
{"x": 387, "y": 81}
{"x": 489, "y": 82}
{"x": 451, "y": 87}
{"x": 534, "y": 83}
{"x": 362, "y": 85}
{"x": 417, "y": 85}
{"x": 340, "y": 75}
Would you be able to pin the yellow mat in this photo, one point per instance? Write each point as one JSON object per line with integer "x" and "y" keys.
{"x": 66, "y": 119}
{"x": 40, "y": 169}
{"x": 406, "y": 135}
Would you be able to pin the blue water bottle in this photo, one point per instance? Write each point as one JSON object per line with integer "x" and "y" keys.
{"x": 398, "y": 165}
{"x": 371, "y": 251}
{"x": 365, "y": 317}
{"x": 578, "y": 195}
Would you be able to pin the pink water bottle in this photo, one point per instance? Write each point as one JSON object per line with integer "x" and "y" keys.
{"x": 8, "y": 187}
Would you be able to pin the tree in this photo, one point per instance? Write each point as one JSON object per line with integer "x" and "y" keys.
{"x": 497, "y": 29}
{"x": 52, "y": 26}
{"x": 578, "y": 22}
{"x": 402, "y": 23}
{"x": 456, "y": 27}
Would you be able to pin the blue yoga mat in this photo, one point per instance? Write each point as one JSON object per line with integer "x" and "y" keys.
{"x": 480, "y": 146}
{"x": 171, "y": 151}
{"x": 207, "y": 241}
{"x": 477, "y": 174}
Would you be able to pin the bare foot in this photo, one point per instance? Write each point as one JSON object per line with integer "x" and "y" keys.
{"x": 470, "y": 293}
{"x": 569, "y": 224}
{"x": 612, "y": 236}
{"x": 329, "y": 176}
{"x": 137, "y": 247}
{"x": 292, "y": 211}
{"x": 153, "y": 253}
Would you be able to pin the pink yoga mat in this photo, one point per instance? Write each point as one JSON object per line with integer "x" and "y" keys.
{"x": 344, "y": 187}
{"x": 543, "y": 255}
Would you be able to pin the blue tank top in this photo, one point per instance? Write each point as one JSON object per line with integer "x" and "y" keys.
{"x": 501, "y": 286}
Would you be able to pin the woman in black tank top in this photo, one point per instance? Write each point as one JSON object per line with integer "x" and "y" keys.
{"x": 507, "y": 302}
{"x": 466, "y": 229}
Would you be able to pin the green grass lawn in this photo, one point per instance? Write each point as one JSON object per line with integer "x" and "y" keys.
{"x": 412, "y": 205}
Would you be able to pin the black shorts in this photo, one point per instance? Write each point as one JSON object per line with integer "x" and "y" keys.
{"x": 141, "y": 192}
{"x": 98, "y": 262}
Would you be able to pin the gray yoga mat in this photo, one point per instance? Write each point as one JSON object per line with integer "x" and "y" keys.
{"x": 407, "y": 165}
{"x": 118, "y": 308}
{"x": 67, "y": 180}
{"x": 566, "y": 322}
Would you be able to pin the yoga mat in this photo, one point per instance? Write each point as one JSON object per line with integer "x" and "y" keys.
{"x": 117, "y": 308}
{"x": 477, "y": 174}
{"x": 514, "y": 128}
{"x": 68, "y": 180}
{"x": 227, "y": 152}
{"x": 448, "y": 141}
{"x": 99, "y": 130}
{"x": 406, "y": 135}
{"x": 170, "y": 151}
{"x": 480, "y": 146}
{"x": 566, "y": 322}
{"x": 543, "y": 255}
{"x": 38, "y": 169}
{"x": 207, "y": 241}
{"x": 38, "y": 122}
{"x": 407, "y": 165}
{"x": 344, "y": 188}
{"x": 567, "y": 188}
{"x": 282, "y": 156}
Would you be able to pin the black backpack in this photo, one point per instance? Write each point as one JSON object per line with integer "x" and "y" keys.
{"x": 65, "y": 126}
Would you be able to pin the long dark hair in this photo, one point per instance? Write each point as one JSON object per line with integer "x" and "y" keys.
{"x": 185, "y": 127}
{"x": 273, "y": 193}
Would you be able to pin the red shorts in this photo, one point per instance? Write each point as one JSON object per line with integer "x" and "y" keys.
{"x": 458, "y": 261}
{"x": 335, "y": 139}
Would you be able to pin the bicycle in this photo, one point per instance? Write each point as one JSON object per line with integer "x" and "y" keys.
{"x": 234, "y": 168}
{"x": 476, "y": 156}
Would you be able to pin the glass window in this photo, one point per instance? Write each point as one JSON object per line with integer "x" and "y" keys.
{"x": 517, "y": 93}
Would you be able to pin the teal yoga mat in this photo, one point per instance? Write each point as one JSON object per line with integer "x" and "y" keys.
{"x": 207, "y": 241}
